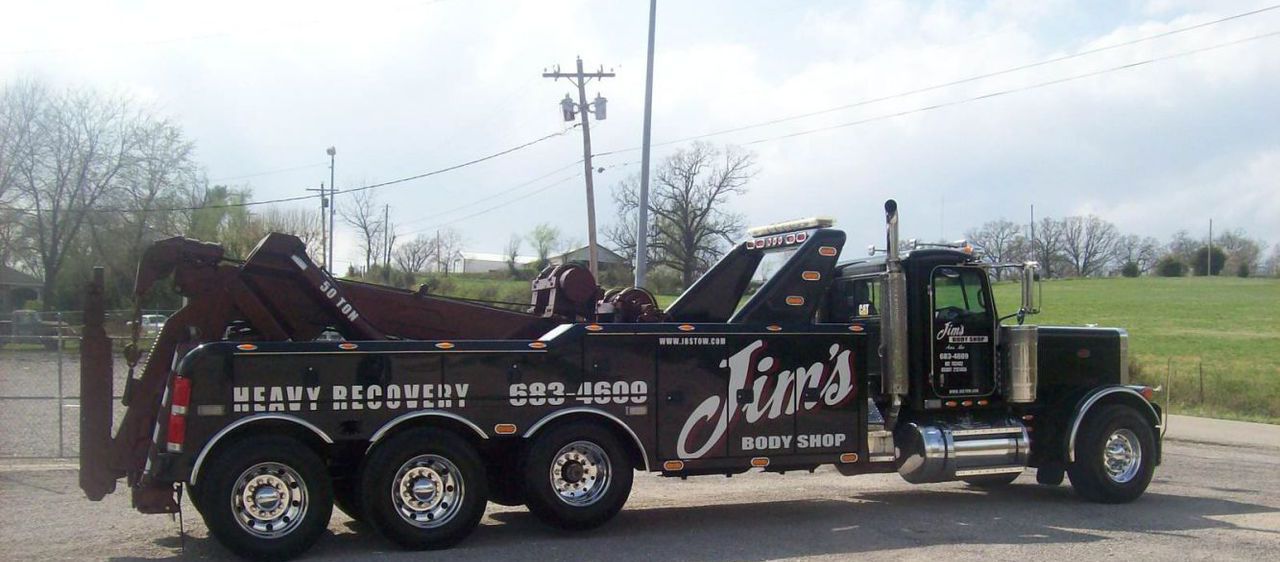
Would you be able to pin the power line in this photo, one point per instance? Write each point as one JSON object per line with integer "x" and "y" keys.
{"x": 492, "y": 196}
{"x": 1015, "y": 90}
{"x": 500, "y": 205}
{"x": 306, "y": 197}
{"x": 269, "y": 172}
{"x": 958, "y": 82}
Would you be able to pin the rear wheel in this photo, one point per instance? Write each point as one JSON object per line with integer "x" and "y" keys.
{"x": 577, "y": 476}
{"x": 266, "y": 497}
{"x": 1114, "y": 453}
{"x": 424, "y": 489}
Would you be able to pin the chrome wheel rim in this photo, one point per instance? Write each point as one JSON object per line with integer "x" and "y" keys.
{"x": 427, "y": 491}
{"x": 580, "y": 473}
{"x": 1122, "y": 456}
{"x": 269, "y": 500}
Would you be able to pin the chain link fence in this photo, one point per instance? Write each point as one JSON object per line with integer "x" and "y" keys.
{"x": 40, "y": 378}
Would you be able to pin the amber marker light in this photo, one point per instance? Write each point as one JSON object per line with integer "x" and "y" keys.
{"x": 672, "y": 466}
{"x": 347, "y": 346}
{"x": 967, "y": 403}
{"x": 760, "y": 462}
{"x": 848, "y": 458}
{"x": 444, "y": 345}
{"x": 811, "y": 276}
{"x": 828, "y": 251}
{"x": 1147, "y": 392}
{"x": 538, "y": 345}
{"x": 504, "y": 428}
{"x": 773, "y": 328}
{"x": 950, "y": 403}
{"x": 594, "y": 327}
{"x": 246, "y": 347}
{"x": 685, "y": 327}
{"x": 794, "y": 300}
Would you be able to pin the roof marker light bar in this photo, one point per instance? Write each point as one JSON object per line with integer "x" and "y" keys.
{"x": 791, "y": 226}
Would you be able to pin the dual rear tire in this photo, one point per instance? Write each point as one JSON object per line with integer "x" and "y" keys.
{"x": 576, "y": 476}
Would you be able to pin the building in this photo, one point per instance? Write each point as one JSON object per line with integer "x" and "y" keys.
{"x": 16, "y": 288}
{"x": 480, "y": 262}
{"x": 610, "y": 262}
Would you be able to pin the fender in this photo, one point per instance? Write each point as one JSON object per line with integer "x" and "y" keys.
{"x": 387, "y": 427}
{"x": 585, "y": 410}
{"x": 1094, "y": 396}
{"x": 204, "y": 452}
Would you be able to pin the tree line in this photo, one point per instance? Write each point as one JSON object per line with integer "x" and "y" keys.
{"x": 1090, "y": 246}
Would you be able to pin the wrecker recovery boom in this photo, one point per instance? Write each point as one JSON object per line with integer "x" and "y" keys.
{"x": 277, "y": 294}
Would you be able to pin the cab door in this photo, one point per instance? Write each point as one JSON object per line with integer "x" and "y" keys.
{"x": 962, "y": 357}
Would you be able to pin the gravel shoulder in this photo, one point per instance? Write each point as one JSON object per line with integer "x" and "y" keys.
{"x": 1206, "y": 502}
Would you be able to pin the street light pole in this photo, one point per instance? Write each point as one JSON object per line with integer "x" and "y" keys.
{"x": 642, "y": 234}
{"x": 333, "y": 204}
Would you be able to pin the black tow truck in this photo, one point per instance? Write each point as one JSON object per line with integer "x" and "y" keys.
{"x": 428, "y": 407}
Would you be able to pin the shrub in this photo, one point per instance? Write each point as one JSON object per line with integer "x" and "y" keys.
{"x": 1171, "y": 266}
{"x": 1130, "y": 269}
{"x": 1242, "y": 270}
{"x": 1214, "y": 264}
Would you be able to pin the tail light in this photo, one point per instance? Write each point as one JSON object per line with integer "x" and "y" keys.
{"x": 179, "y": 400}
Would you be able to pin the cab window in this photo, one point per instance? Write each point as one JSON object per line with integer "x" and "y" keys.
{"x": 852, "y": 299}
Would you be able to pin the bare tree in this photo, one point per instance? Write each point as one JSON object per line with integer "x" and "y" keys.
{"x": 1141, "y": 252}
{"x": 1089, "y": 243}
{"x": 78, "y": 144}
{"x": 412, "y": 256}
{"x": 512, "y": 253}
{"x": 545, "y": 238}
{"x": 449, "y": 249}
{"x": 691, "y": 227}
{"x": 996, "y": 239}
{"x": 1048, "y": 246}
{"x": 363, "y": 213}
{"x": 1243, "y": 253}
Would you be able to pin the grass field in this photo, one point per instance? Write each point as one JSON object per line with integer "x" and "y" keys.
{"x": 1228, "y": 326}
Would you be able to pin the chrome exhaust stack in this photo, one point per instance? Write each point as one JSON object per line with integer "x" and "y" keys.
{"x": 894, "y": 381}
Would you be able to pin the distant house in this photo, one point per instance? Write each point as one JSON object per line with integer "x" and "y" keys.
{"x": 479, "y": 262}
{"x": 16, "y": 288}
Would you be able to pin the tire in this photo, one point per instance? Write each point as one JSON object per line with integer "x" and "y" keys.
{"x": 576, "y": 476}
{"x": 1114, "y": 450}
{"x": 290, "y": 509}
{"x": 506, "y": 488}
{"x": 1050, "y": 475}
{"x": 346, "y": 496}
{"x": 450, "y": 502}
{"x": 992, "y": 482}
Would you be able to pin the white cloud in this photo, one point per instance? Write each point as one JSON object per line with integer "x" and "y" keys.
{"x": 409, "y": 86}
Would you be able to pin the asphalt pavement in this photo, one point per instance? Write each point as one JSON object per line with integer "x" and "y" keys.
{"x": 1212, "y": 499}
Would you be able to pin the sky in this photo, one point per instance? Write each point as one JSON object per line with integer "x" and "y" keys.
{"x": 406, "y": 87}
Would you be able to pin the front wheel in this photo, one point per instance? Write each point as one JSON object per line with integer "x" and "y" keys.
{"x": 424, "y": 489}
{"x": 1115, "y": 451}
{"x": 266, "y": 497}
{"x": 577, "y": 476}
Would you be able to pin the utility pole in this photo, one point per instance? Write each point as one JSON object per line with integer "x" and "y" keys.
{"x": 333, "y": 204}
{"x": 567, "y": 106}
{"x": 324, "y": 238}
{"x": 642, "y": 234}
{"x": 386, "y": 244}
{"x": 1208, "y": 258}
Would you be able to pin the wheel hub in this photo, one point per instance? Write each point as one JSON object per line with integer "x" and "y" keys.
{"x": 1122, "y": 456}
{"x": 580, "y": 473}
{"x": 427, "y": 491}
{"x": 269, "y": 499}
